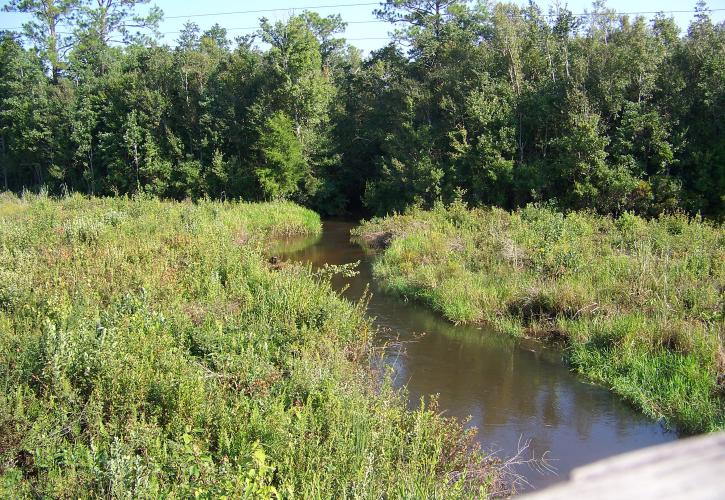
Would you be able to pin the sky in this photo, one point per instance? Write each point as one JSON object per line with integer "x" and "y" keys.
{"x": 363, "y": 30}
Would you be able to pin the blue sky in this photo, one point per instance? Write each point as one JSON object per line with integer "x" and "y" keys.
{"x": 362, "y": 31}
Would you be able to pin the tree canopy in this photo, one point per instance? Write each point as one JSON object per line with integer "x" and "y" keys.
{"x": 490, "y": 102}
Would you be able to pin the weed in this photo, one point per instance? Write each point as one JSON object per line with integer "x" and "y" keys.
{"x": 147, "y": 350}
{"x": 638, "y": 302}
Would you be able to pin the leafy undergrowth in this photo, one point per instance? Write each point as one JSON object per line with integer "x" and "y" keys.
{"x": 147, "y": 350}
{"x": 638, "y": 302}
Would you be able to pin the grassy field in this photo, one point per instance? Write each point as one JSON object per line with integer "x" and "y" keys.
{"x": 638, "y": 303}
{"x": 147, "y": 349}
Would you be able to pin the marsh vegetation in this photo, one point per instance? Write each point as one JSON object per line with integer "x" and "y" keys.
{"x": 147, "y": 349}
{"x": 638, "y": 304}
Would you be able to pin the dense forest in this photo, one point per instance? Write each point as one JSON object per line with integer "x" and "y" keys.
{"x": 492, "y": 103}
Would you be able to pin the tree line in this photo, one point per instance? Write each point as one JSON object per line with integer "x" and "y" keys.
{"x": 492, "y": 103}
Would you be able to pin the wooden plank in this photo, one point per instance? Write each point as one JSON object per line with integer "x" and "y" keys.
{"x": 691, "y": 468}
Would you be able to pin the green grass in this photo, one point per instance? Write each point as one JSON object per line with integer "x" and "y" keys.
{"x": 639, "y": 303}
{"x": 147, "y": 350}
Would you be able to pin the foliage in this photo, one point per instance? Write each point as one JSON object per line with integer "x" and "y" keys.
{"x": 282, "y": 163}
{"x": 147, "y": 350}
{"x": 503, "y": 103}
{"x": 639, "y": 303}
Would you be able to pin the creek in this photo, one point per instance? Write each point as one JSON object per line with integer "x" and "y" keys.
{"x": 514, "y": 391}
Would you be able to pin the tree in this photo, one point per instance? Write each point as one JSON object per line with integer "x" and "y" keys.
{"x": 217, "y": 36}
{"x": 49, "y": 16}
{"x": 325, "y": 29}
{"x": 103, "y": 22}
{"x": 425, "y": 21}
{"x": 189, "y": 37}
{"x": 282, "y": 163}
{"x": 27, "y": 117}
{"x": 132, "y": 137}
{"x": 300, "y": 90}
{"x": 491, "y": 102}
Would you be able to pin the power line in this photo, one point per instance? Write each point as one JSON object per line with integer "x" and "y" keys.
{"x": 371, "y": 21}
{"x": 585, "y": 14}
{"x": 640, "y": 13}
{"x": 257, "y": 27}
{"x": 260, "y": 11}
{"x": 243, "y": 28}
{"x": 330, "y": 6}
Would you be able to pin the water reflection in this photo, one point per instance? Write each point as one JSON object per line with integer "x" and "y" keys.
{"x": 511, "y": 390}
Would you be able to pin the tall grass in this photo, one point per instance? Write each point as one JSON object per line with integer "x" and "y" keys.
{"x": 147, "y": 350}
{"x": 639, "y": 303}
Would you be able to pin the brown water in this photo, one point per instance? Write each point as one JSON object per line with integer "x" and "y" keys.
{"x": 513, "y": 391}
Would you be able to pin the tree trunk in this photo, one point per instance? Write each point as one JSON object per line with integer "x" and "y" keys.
{"x": 136, "y": 161}
{"x": 4, "y": 162}
{"x": 53, "y": 54}
{"x": 93, "y": 175}
{"x": 521, "y": 141}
